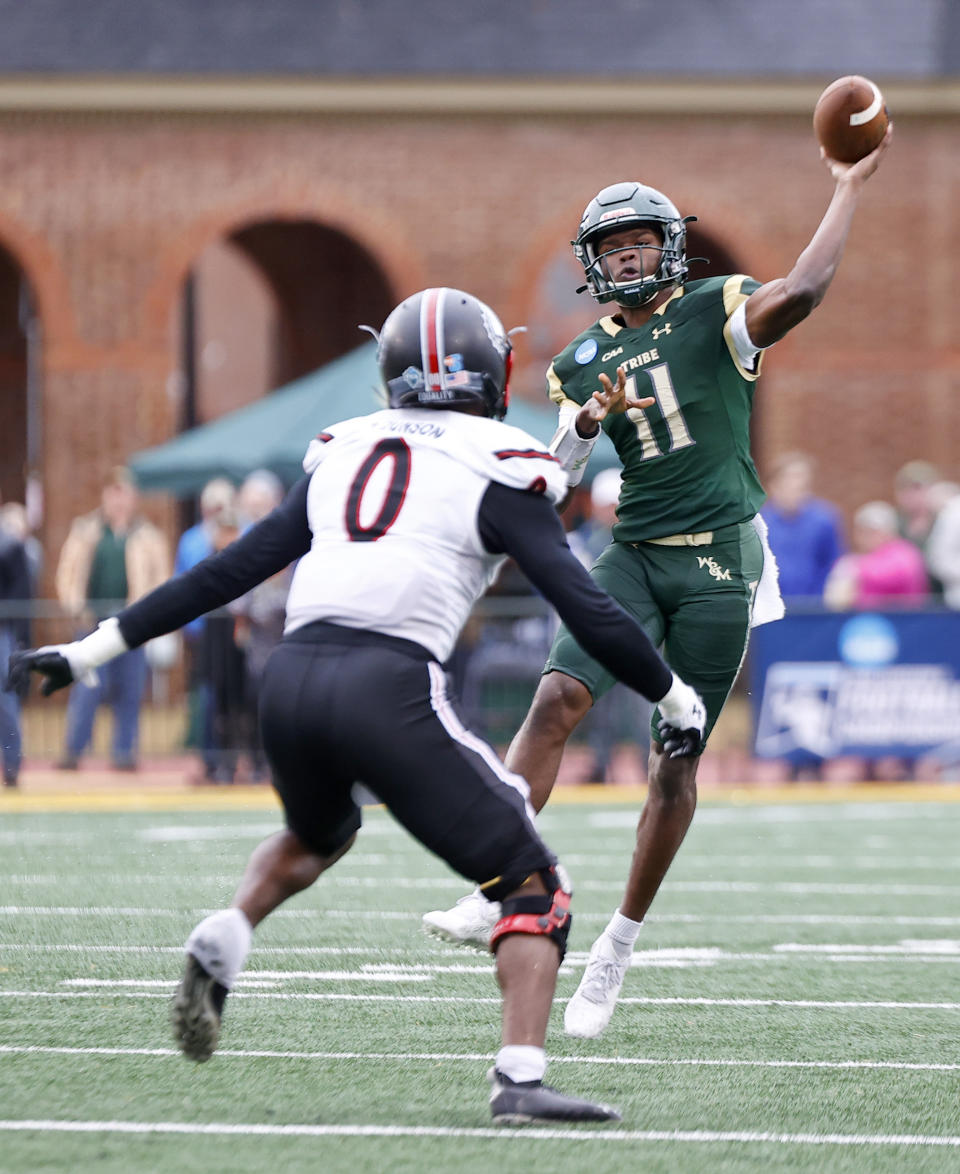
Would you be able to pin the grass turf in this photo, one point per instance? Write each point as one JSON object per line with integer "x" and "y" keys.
{"x": 792, "y": 1005}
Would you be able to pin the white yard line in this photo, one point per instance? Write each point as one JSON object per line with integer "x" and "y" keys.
{"x": 566, "y": 1135}
{"x": 266, "y": 951}
{"x": 341, "y": 996}
{"x": 787, "y": 954}
{"x": 803, "y": 888}
{"x": 783, "y": 815}
{"x": 257, "y": 980}
{"x": 142, "y": 983}
{"x": 929, "y": 950}
{"x": 875, "y": 919}
{"x": 485, "y": 1058}
{"x": 830, "y": 919}
{"x": 781, "y": 862}
{"x": 454, "y": 884}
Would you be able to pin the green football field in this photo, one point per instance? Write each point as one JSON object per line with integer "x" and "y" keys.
{"x": 794, "y": 1002}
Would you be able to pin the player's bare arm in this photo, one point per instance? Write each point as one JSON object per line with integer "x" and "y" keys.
{"x": 610, "y": 400}
{"x": 775, "y": 308}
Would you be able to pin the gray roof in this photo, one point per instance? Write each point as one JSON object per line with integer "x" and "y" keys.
{"x": 905, "y": 39}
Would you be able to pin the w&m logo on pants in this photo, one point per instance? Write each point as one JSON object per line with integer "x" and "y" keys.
{"x": 714, "y": 567}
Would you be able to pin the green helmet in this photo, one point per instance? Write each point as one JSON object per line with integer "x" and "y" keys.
{"x": 614, "y": 208}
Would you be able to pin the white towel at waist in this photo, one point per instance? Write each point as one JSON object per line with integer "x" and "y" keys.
{"x": 767, "y": 601}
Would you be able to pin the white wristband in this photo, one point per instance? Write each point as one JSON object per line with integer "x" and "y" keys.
{"x": 102, "y": 645}
{"x": 572, "y": 451}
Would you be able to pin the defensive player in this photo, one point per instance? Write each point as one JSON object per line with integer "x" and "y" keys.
{"x": 689, "y": 558}
{"x": 400, "y": 524}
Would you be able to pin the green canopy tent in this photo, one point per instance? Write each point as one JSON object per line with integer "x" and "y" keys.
{"x": 273, "y": 433}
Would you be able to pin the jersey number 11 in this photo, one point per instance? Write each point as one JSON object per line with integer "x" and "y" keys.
{"x": 669, "y": 408}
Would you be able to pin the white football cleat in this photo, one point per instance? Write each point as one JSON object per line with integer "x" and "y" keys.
{"x": 589, "y": 1011}
{"x": 469, "y": 923}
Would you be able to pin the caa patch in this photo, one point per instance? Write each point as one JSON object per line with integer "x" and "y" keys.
{"x": 586, "y": 352}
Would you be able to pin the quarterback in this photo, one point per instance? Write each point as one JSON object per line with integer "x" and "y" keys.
{"x": 400, "y": 524}
{"x": 689, "y": 558}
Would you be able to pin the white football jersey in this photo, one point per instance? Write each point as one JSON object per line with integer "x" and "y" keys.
{"x": 393, "y": 507}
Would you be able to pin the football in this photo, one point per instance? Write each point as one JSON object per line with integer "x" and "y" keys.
{"x": 850, "y": 118}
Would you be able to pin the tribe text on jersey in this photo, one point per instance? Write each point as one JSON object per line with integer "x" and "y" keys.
{"x": 392, "y": 506}
{"x": 686, "y": 460}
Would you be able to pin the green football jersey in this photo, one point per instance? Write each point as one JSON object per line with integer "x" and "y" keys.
{"x": 686, "y": 460}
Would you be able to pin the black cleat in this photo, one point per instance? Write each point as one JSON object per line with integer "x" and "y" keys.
{"x": 520, "y": 1102}
{"x": 197, "y": 1011}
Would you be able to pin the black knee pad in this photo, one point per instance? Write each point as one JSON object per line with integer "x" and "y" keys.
{"x": 547, "y": 914}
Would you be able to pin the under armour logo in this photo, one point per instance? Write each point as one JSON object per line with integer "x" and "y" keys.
{"x": 658, "y": 330}
{"x": 714, "y": 568}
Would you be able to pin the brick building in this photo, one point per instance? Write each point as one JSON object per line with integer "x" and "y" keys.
{"x": 175, "y": 241}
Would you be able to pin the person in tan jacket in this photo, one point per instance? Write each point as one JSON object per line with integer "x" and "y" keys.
{"x": 110, "y": 558}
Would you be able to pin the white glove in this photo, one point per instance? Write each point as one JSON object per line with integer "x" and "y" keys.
{"x": 683, "y": 718}
{"x": 62, "y": 664}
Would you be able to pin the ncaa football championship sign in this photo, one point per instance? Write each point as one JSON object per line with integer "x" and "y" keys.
{"x": 826, "y": 685}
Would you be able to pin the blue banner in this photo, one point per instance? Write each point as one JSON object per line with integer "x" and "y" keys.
{"x": 871, "y": 684}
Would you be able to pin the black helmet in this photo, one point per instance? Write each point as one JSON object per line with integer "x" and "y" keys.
{"x": 442, "y": 348}
{"x": 619, "y": 206}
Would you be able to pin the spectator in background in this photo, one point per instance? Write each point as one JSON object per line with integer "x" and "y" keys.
{"x": 222, "y": 663}
{"x": 805, "y": 532}
{"x": 14, "y": 633}
{"x": 195, "y": 544}
{"x": 259, "y": 614}
{"x": 261, "y": 492}
{"x": 111, "y": 557}
{"x": 592, "y": 537}
{"x": 918, "y": 502}
{"x": 13, "y": 519}
{"x": 943, "y": 543}
{"x": 912, "y": 487}
{"x": 885, "y": 570}
{"x": 941, "y": 493}
{"x": 806, "y": 537}
{"x": 620, "y": 713}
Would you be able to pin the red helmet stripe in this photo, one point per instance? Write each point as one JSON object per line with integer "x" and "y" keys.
{"x": 431, "y": 336}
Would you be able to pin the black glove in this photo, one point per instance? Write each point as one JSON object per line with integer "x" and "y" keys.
{"x": 679, "y": 743}
{"x": 53, "y": 666}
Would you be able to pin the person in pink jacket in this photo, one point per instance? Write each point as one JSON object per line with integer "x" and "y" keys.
{"x": 886, "y": 570}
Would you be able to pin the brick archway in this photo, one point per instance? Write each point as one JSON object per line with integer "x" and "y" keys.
{"x": 272, "y": 292}
{"x": 22, "y": 261}
{"x": 47, "y": 282}
{"x": 379, "y": 237}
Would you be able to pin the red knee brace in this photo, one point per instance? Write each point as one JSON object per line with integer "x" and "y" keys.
{"x": 544, "y": 914}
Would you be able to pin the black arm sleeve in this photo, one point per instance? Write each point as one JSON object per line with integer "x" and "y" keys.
{"x": 264, "y": 550}
{"x": 525, "y": 526}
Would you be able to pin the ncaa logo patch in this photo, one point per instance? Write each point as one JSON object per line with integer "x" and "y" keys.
{"x": 586, "y": 352}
